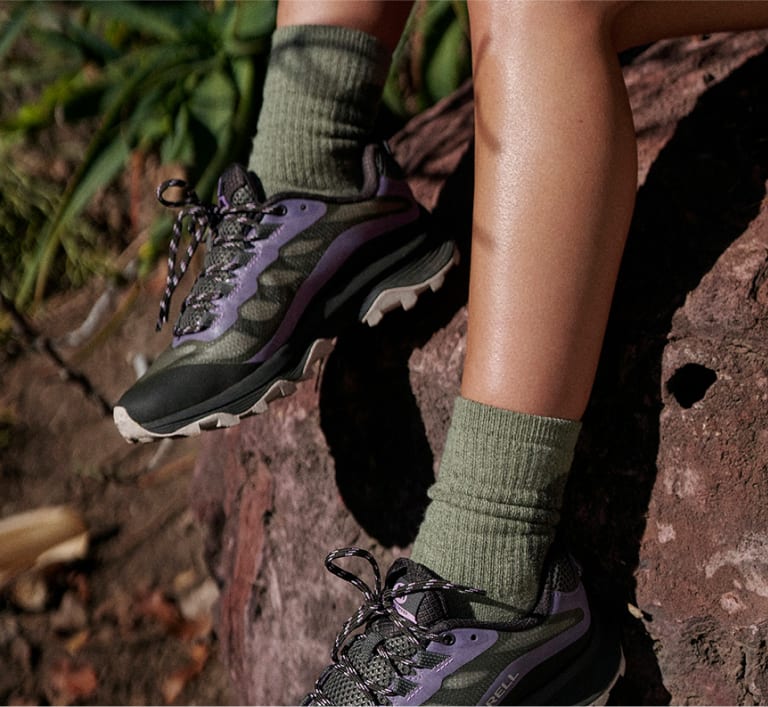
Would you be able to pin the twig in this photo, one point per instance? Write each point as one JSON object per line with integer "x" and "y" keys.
{"x": 45, "y": 346}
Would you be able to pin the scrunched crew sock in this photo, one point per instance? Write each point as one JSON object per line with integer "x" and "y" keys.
{"x": 321, "y": 96}
{"x": 496, "y": 502}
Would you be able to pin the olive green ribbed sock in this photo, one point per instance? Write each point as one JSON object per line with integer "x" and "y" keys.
{"x": 321, "y": 96}
{"x": 496, "y": 502}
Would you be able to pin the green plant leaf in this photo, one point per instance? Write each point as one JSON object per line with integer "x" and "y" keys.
{"x": 213, "y": 102}
{"x": 101, "y": 170}
{"x": 40, "y": 112}
{"x": 253, "y": 19}
{"x": 183, "y": 78}
{"x": 248, "y": 73}
{"x": 249, "y": 28}
{"x": 91, "y": 171}
{"x": 90, "y": 44}
{"x": 162, "y": 21}
{"x": 13, "y": 28}
{"x": 449, "y": 65}
{"x": 149, "y": 121}
{"x": 178, "y": 146}
{"x": 156, "y": 244}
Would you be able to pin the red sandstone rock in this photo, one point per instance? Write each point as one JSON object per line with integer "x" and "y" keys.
{"x": 348, "y": 458}
{"x": 707, "y": 531}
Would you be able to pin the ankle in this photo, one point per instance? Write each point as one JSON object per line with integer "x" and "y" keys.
{"x": 496, "y": 502}
{"x": 321, "y": 97}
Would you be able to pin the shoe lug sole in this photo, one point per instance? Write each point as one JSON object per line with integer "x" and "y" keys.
{"x": 132, "y": 431}
{"x": 406, "y": 297}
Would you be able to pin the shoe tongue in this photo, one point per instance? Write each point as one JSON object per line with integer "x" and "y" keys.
{"x": 424, "y": 608}
{"x": 238, "y": 186}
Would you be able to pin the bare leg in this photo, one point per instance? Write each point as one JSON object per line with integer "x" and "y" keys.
{"x": 555, "y": 185}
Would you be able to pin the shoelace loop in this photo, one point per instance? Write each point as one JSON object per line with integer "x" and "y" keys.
{"x": 200, "y": 218}
{"x": 379, "y": 602}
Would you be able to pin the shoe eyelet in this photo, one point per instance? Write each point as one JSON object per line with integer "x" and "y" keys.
{"x": 449, "y": 639}
{"x": 303, "y": 207}
{"x": 473, "y": 637}
{"x": 281, "y": 210}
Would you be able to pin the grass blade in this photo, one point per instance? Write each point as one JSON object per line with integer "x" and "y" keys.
{"x": 13, "y": 28}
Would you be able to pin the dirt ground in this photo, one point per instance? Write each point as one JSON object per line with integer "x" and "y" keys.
{"x": 131, "y": 622}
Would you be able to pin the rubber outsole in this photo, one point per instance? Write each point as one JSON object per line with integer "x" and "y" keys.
{"x": 386, "y": 300}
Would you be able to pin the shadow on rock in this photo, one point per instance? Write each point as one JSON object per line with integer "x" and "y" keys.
{"x": 369, "y": 415}
{"x": 702, "y": 191}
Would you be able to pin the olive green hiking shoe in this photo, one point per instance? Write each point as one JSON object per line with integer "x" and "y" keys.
{"x": 282, "y": 277}
{"x": 420, "y": 644}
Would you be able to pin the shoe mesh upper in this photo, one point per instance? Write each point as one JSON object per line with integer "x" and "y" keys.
{"x": 464, "y": 686}
{"x": 223, "y": 250}
{"x": 260, "y": 316}
{"x": 383, "y": 634}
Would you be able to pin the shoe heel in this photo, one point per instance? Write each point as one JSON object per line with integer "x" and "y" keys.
{"x": 403, "y": 287}
{"x": 589, "y": 679}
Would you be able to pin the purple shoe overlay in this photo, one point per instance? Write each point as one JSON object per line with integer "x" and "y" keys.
{"x": 470, "y": 643}
{"x": 525, "y": 663}
{"x": 300, "y": 215}
{"x": 266, "y": 252}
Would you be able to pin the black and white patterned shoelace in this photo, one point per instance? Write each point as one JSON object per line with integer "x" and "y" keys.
{"x": 378, "y": 603}
{"x": 201, "y": 218}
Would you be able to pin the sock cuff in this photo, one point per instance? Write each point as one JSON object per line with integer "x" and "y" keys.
{"x": 497, "y": 454}
{"x": 326, "y": 43}
{"x": 321, "y": 95}
{"x": 515, "y": 427}
{"x": 497, "y": 498}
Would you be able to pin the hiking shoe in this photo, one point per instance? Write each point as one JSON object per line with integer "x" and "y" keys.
{"x": 421, "y": 644}
{"x": 281, "y": 278}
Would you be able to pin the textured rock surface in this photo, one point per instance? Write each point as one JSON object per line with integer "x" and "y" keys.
{"x": 707, "y": 529}
{"x": 348, "y": 459}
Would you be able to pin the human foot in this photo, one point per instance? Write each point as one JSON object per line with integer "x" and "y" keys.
{"x": 421, "y": 644}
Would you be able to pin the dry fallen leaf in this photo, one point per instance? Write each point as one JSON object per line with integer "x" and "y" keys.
{"x": 199, "y": 602}
{"x": 76, "y": 642}
{"x": 30, "y": 592}
{"x": 71, "y": 681}
{"x": 118, "y": 608}
{"x": 71, "y": 615}
{"x": 177, "y": 681}
{"x": 156, "y": 606}
{"x": 35, "y": 539}
{"x": 184, "y": 581}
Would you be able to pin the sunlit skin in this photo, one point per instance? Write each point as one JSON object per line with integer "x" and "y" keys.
{"x": 555, "y": 177}
{"x": 384, "y": 20}
{"x": 555, "y": 169}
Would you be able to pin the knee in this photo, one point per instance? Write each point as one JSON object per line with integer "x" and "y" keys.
{"x": 562, "y": 22}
